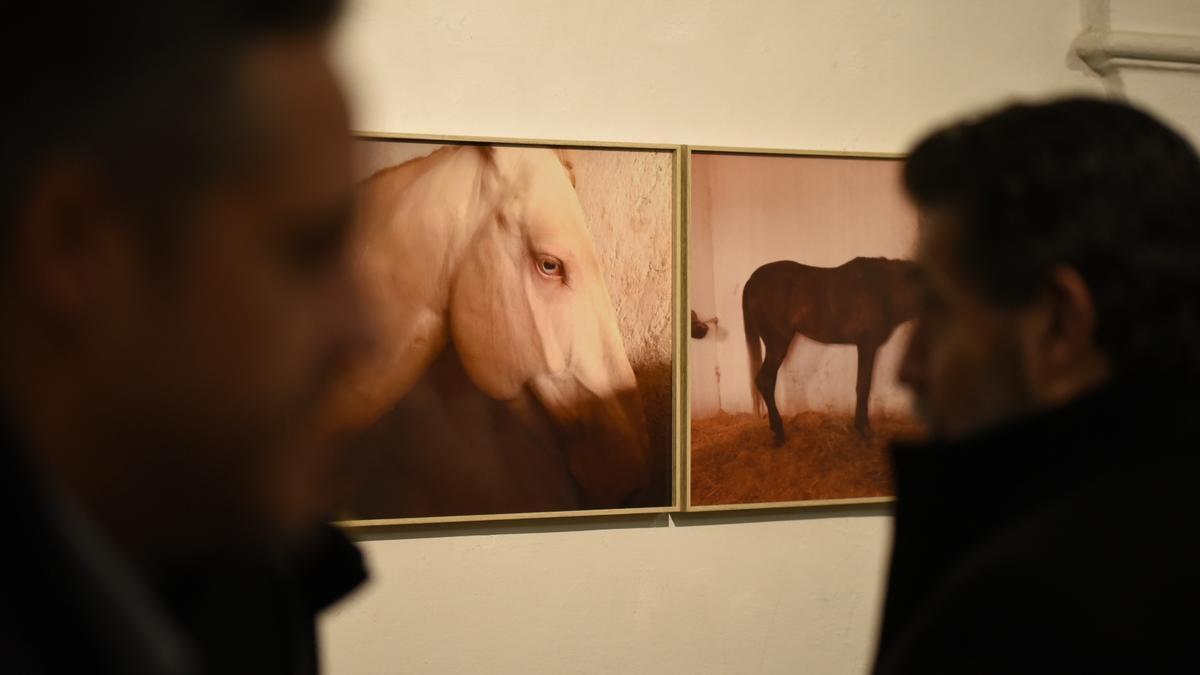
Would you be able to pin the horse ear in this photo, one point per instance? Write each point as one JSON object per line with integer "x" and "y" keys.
{"x": 565, "y": 159}
{"x": 489, "y": 162}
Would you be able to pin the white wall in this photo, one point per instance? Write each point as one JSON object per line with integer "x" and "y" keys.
{"x": 1174, "y": 91}
{"x": 761, "y": 592}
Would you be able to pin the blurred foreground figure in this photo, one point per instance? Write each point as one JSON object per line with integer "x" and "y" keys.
{"x": 1050, "y": 525}
{"x": 175, "y": 298}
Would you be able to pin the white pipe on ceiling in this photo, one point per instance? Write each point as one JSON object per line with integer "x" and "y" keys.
{"x": 1098, "y": 49}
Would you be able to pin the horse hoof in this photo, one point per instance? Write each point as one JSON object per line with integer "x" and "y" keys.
{"x": 780, "y": 441}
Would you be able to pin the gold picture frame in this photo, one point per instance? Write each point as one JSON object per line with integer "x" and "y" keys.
{"x": 678, "y": 325}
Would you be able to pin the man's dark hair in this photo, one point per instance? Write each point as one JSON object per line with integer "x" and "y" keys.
{"x": 144, "y": 87}
{"x": 1095, "y": 185}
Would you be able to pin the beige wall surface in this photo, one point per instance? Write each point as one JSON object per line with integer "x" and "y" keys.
{"x": 755, "y": 592}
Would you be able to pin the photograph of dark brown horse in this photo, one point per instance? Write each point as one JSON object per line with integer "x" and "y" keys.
{"x": 858, "y": 303}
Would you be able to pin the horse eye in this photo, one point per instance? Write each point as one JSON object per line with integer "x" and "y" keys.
{"x": 551, "y": 267}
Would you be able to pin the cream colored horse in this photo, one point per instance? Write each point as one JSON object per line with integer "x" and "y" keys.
{"x": 485, "y": 250}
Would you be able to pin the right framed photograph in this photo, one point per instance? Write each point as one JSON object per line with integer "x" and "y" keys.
{"x": 801, "y": 299}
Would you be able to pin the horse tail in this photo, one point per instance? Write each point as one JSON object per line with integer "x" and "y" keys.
{"x": 754, "y": 349}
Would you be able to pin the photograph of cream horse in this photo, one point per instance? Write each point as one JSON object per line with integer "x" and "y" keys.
{"x": 503, "y": 382}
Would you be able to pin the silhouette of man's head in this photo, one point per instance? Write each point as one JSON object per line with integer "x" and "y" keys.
{"x": 176, "y": 286}
{"x": 1060, "y": 247}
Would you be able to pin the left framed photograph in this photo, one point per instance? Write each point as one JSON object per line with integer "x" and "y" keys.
{"x": 527, "y": 299}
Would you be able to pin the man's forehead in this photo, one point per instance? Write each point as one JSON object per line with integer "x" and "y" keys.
{"x": 301, "y": 113}
{"x": 940, "y": 258}
{"x": 936, "y": 224}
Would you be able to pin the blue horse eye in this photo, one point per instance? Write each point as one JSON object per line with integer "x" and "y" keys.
{"x": 550, "y": 266}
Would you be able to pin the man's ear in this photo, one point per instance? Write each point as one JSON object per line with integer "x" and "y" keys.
{"x": 1065, "y": 322}
{"x": 1073, "y": 308}
{"x": 64, "y": 237}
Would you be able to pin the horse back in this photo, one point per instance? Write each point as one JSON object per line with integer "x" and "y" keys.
{"x": 853, "y": 303}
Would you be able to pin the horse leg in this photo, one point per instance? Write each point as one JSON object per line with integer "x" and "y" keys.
{"x": 866, "y": 369}
{"x": 767, "y": 376}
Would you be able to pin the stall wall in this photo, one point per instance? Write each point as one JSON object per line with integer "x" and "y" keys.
{"x": 759, "y": 592}
{"x": 748, "y": 211}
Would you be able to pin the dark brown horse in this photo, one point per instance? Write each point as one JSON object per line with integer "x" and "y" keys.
{"x": 859, "y": 303}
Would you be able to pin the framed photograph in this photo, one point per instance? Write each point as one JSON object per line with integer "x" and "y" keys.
{"x": 801, "y": 296}
{"x": 529, "y": 296}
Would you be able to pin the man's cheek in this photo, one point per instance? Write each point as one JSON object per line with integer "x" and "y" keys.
{"x": 290, "y": 371}
{"x": 951, "y": 374}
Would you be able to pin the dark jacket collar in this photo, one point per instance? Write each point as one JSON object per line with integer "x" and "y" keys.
{"x": 55, "y": 583}
{"x": 953, "y": 495}
{"x": 66, "y": 584}
{"x": 1129, "y": 421}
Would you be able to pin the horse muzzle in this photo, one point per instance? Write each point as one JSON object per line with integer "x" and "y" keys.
{"x": 603, "y": 438}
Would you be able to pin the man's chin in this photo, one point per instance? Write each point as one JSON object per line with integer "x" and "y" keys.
{"x": 269, "y": 528}
{"x": 296, "y": 526}
{"x": 931, "y": 424}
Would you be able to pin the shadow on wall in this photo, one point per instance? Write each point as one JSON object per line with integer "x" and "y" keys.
{"x": 654, "y": 382}
{"x": 628, "y": 198}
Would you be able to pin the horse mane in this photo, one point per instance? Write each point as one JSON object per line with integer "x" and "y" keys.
{"x": 396, "y": 168}
{"x": 485, "y": 150}
{"x": 560, "y": 153}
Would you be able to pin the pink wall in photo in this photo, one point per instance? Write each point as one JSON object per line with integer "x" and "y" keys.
{"x": 748, "y": 210}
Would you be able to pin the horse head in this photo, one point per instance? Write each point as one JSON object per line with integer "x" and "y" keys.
{"x": 533, "y": 323}
{"x": 700, "y": 328}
